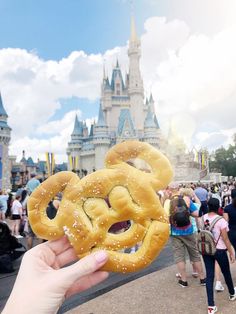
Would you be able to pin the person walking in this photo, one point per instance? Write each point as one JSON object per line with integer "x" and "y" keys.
{"x": 16, "y": 211}
{"x": 230, "y": 216}
{"x": 32, "y": 184}
{"x": 3, "y": 204}
{"x": 183, "y": 237}
{"x": 202, "y": 195}
{"x": 223, "y": 245}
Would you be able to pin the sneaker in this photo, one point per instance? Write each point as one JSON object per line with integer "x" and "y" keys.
{"x": 219, "y": 287}
{"x": 212, "y": 309}
{"x": 182, "y": 283}
{"x": 233, "y": 297}
{"x": 203, "y": 282}
{"x": 178, "y": 275}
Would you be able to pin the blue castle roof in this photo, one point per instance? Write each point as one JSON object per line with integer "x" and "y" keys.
{"x": 107, "y": 84}
{"x": 125, "y": 121}
{"x": 117, "y": 72}
{"x": 101, "y": 119}
{"x": 42, "y": 166}
{"x": 78, "y": 127}
{"x": 156, "y": 121}
{"x": 149, "y": 121}
{"x": 30, "y": 162}
{"x": 2, "y": 110}
{"x": 151, "y": 99}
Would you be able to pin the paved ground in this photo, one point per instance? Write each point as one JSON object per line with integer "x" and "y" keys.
{"x": 157, "y": 293}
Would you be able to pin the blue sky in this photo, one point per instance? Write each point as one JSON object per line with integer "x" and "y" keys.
{"x": 55, "y": 28}
{"x": 52, "y": 54}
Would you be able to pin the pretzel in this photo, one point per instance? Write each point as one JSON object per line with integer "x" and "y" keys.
{"x": 119, "y": 192}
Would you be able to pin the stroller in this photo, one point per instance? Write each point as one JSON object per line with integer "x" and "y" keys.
{"x": 10, "y": 249}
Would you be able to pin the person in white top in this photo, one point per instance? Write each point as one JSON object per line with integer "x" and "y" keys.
{"x": 16, "y": 211}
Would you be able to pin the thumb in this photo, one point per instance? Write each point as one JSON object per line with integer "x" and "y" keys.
{"x": 87, "y": 265}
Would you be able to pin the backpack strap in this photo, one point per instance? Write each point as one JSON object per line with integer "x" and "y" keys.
{"x": 212, "y": 225}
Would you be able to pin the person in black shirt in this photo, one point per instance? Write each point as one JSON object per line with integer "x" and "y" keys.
{"x": 230, "y": 216}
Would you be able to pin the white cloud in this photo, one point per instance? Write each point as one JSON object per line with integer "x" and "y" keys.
{"x": 193, "y": 76}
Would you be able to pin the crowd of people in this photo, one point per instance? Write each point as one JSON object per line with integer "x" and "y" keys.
{"x": 189, "y": 207}
{"x": 192, "y": 208}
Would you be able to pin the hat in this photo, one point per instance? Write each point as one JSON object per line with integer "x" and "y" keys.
{"x": 233, "y": 193}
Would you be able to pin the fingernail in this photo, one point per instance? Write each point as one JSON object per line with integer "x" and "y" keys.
{"x": 100, "y": 256}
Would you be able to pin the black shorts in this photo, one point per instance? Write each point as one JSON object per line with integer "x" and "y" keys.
{"x": 15, "y": 217}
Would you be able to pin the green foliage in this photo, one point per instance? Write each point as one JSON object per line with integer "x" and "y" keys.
{"x": 224, "y": 160}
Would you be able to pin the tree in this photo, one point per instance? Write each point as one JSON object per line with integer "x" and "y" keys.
{"x": 224, "y": 160}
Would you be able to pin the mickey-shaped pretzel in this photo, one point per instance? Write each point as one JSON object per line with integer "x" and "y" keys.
{"x": 90, "y": 206}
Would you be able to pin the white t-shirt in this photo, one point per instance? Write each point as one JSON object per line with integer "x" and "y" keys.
{"x": 16, "y": 208}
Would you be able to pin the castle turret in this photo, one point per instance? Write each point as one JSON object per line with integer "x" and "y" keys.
{"x": 117, "y": 83}
{"x": 151, "y": 103}
{"x": 5, "y": 137}
{"x": 152, "y": 134}
{"x": 75, "y": 145}
{"x": 101, "y": 139}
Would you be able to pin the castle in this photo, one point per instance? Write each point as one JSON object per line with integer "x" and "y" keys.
{"x": 123, "y": 115}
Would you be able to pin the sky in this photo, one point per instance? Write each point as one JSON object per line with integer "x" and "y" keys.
{"x": 52, "y": 55}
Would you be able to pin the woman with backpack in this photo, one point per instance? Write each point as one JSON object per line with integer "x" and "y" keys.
{"x": 222, "y": 243}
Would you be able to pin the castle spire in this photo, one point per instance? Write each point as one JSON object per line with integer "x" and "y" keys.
{"x": 117, "y": 63}
{"x": 133, "y": 33}
{"x": 78, "y": 129}
{"x": 104, "y": 72}
{"x": 151, "y": 99}
{"x": 101, "y": 120}
{"x": 2, "y": 110}
{"x": 135, "y": 90}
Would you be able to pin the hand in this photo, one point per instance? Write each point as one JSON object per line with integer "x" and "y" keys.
{"x": 42, "y": 285}
{"x": 232, "y": 257}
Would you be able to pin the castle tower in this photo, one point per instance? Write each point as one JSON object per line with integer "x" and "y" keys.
{"x": 75, "y": 145}
{"x": 152, "y": 133}
{"x": 136, "y": 92}
{"x": 5, "y": 137}
{"x": 101, "y": 140}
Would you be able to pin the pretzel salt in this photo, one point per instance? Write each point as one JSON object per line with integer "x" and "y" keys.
{"x": 85, "y": 216}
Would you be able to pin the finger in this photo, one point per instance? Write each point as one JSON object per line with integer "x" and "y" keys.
{"x": 87, "y": 265}
{"x": 66, "y": 257}
{"x": 87, "y": 282}
{"x": 58, "y": 246}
